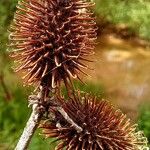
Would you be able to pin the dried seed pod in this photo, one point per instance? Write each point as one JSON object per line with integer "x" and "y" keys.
{"x": 103, "y": 127}
{"x": 51, "y": 39}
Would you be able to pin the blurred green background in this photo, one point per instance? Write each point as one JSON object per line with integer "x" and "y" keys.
{"x": 121, "y": 71}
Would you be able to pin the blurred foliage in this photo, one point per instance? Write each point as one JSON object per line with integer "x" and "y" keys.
{"x": 88, "y": 87}
{"x": 13, "y": 117}
{"x": 144, "y": 120}
{"x": 133, "y": 13}
{"x": 14, "y": 113}
{"x": 7, "y": 7}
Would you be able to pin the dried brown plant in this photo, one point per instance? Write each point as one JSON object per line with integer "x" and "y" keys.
{"x": 51, "y": 39}
{"x": 103, "y": 127}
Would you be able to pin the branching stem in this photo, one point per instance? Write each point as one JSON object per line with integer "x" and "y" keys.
{"x": 33, "y": 121}
{"x": 36, "y": 117}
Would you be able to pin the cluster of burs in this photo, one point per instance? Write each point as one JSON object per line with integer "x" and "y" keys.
{"x": 52, "y": 42}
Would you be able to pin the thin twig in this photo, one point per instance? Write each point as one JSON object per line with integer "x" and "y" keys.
{"x": 69, "y": 120}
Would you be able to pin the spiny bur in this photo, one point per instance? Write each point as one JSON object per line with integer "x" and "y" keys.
{"x": 51, "y": 39}
{"x": 103, "y": 127}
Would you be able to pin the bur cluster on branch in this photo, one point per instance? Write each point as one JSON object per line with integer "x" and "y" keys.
{"x": 103, "y": 127}
{"x": 51, "y": 40}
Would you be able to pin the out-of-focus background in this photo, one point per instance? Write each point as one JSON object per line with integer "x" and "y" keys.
{"x": 121, "y": 70}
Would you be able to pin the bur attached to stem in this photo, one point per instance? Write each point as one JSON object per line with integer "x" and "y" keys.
{"x": 51, "y": 40}
{"x": 100, "y": 126}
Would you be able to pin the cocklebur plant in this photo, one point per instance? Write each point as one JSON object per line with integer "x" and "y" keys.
{"x": 51, "y": 41}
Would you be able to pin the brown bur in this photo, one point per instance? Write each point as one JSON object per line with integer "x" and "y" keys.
{"x": 51, "y": 39}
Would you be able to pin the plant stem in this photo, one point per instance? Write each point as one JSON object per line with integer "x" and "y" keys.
{"x": 30, "y": 128}
{"x": 33, "y": 121}
{"x": 69, "y": 120}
